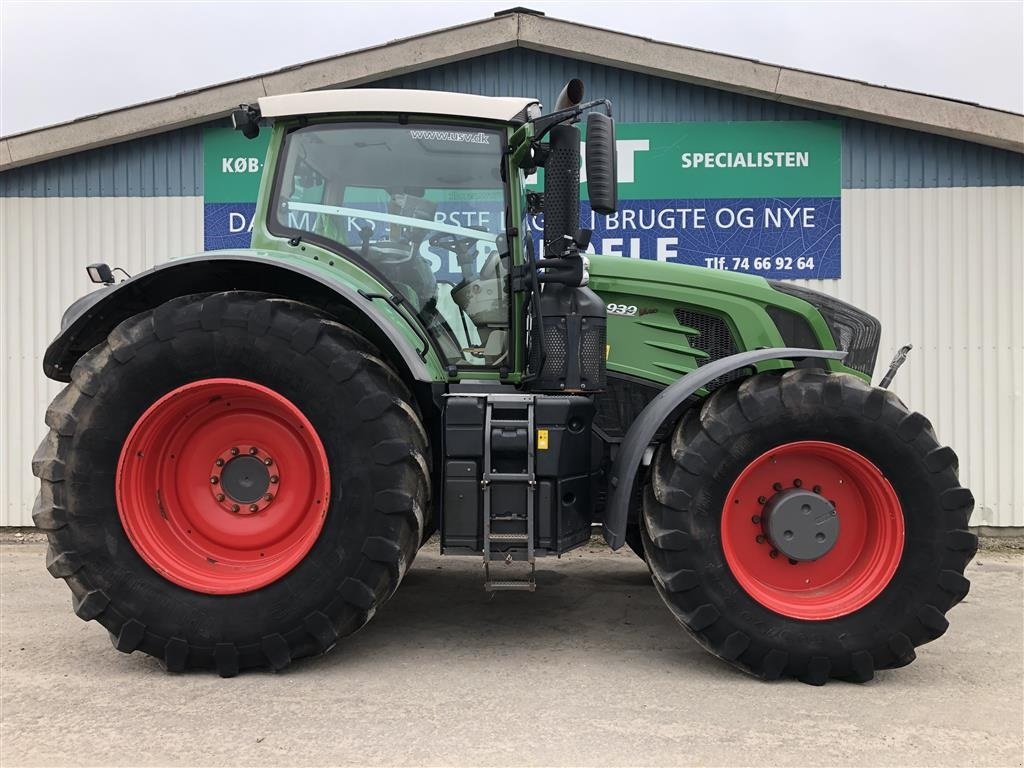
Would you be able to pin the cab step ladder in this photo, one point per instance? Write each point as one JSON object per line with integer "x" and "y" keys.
{"x": 528, "y": 478}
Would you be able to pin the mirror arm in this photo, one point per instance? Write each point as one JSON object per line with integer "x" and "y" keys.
{"x": 544, "y": 123}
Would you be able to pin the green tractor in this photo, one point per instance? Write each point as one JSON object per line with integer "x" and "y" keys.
{"x": 252, "y": 445}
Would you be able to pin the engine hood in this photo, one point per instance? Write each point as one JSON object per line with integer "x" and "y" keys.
{"x": 617, "y": 268}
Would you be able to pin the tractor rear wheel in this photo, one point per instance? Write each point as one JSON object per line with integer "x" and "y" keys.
{"x": 808, "y": 525}
{"x": 232, "y": 481}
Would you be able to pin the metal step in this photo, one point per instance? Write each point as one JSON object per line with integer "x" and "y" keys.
{"x": 510, "y": 423}
{"x": 500, "y": 586}
{"x": 508, "y": 477}
{"x": 509, "y": 537}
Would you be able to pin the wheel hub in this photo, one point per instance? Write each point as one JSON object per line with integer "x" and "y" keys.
{"x": 244, "y": 479}
{"x": 801, "y": 524}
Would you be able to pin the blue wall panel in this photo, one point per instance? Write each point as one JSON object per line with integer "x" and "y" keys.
{"x": 874, "y": 155}
{"x": 164, "y": 165}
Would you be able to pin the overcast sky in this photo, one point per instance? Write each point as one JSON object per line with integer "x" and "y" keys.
{"x": 62, "y": 60}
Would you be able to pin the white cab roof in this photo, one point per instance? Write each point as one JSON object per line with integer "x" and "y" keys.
{"x": 392, "y": 100}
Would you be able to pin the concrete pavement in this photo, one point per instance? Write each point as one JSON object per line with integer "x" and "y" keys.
{"x": 589, "y": 670}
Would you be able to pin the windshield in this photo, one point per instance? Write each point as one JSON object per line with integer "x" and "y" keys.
{"x": 423, "y": 206}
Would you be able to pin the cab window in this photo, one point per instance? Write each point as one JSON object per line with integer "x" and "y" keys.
{"x": 422, "y": 206}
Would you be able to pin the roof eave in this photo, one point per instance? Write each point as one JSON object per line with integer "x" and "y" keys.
{"x": 864, "y": 101}
{"x": 824, "y": 93}
{"x": 350, "y": 69}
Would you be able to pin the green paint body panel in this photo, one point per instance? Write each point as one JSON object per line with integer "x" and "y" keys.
{"x": 653, "y": 345}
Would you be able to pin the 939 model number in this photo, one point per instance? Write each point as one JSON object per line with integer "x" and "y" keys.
{"x": 629, "y": 310}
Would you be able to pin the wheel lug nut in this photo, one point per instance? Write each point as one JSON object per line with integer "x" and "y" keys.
{"x": 792, "y": 561}
{"x": 816, "y": 489}
{"x": 220, "y": 497}
{"x": 269, "y": 497}
{"x": 274, "y": 478}
{"x": 253, "y": 451}
{"x": 253, "y": 507}
{"x": 777, "y": 486}
{"x": 773, "y": 554}
{"x": 268, "y": 461}
{"x": 234, "y": 507}
{"x": 760, "y": 539}
{"x": 219, "y": 462}
{"x": 762, "y": 499}
{"x": 798, "y": 483}
{"x": 234, "y": 451}
{"x": 755, "y": 519}
{"x": 214, "y": 480}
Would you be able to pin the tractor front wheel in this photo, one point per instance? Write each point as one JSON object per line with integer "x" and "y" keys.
{"x": 808, "y": 525}
{"x": 231, "y": 481}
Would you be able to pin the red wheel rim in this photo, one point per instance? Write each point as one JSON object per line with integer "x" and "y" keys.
{"x": 222, "y": 486}
{"x": 866, "y": 552}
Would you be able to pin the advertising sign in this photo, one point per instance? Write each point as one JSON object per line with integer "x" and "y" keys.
{"x": 232, "y": 169}
{"x": 755, "y": 197}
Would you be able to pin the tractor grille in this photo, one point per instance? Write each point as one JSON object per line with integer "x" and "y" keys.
{"x": 855, "y": 332}
{"x": 713, "y": 337}
{"x": 621, "y": 402}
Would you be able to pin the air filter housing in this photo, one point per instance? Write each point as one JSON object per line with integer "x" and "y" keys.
{"x": 575, "y": 333}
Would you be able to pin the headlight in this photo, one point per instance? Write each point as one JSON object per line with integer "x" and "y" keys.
{"x": 855, "y": 332}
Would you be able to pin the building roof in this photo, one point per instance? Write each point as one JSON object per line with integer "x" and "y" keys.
{"x": 395, "y": 100}
{"x": 527, "y": 29}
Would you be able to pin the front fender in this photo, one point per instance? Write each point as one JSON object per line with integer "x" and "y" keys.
{"x": 642, "y": 431}
{"x": 88, "y": 321}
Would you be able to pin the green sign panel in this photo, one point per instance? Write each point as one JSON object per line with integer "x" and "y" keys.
{"x": 232, "y": 165}
{"x": 672, "y": 161}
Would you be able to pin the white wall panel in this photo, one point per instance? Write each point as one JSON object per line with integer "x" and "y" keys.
{"x": 941, "y": 268}
{"x": 45, "y": 244}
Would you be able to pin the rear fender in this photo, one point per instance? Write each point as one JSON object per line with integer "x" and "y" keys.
{"x": 641, "y": 433}
{"x": 88, "y": 321}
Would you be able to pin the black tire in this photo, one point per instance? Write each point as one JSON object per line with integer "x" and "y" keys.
{"x": 682, "y": 533}
{"x": 375, "y": 445}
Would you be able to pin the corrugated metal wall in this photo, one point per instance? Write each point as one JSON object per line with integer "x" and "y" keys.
{"x": 168, "y": 164}
{"x": 44, "y": 246}
{"x": 933, "y": 245}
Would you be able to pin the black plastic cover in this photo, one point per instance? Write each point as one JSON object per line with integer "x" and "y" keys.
{"x": 565, "y": 469}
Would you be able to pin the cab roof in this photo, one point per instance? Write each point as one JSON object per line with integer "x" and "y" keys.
{"x": 397, "y": 100}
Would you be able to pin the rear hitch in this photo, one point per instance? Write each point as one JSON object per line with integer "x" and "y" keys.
{"x": 897, "y": 361}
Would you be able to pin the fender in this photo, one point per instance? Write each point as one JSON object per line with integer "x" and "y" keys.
{"x": 642, "y": 431}
{"x": 88, "y": 321}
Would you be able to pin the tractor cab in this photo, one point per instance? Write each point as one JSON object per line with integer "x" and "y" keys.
{"x": 426, "y": 192}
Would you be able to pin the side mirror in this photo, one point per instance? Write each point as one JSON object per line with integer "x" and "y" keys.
{"x": 602, "y": 171}
{"x": 247, "y": 120}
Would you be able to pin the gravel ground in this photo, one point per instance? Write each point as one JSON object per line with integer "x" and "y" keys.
{"x": 589, "y": 670}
